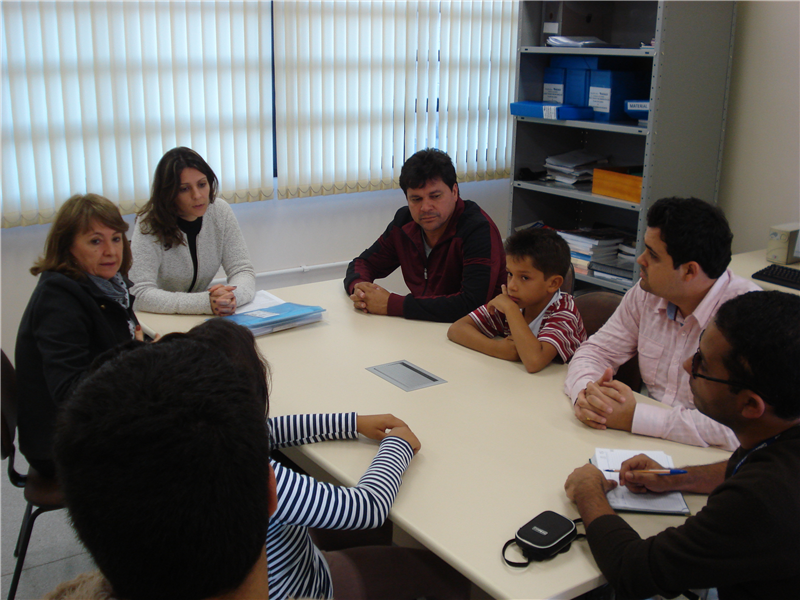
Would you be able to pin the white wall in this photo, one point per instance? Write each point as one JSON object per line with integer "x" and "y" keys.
{"x": 280, "y": 234}
{"x": 761, "y": 160}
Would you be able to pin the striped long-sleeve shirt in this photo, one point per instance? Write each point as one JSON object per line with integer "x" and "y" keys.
{"x": 297, "y": 568}
{"x": 560, "y": 324}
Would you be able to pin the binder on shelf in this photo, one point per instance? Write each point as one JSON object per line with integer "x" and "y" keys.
{"x": 576, "y": 87}
{"x": 550, "y": 110}
{"x": 608, "y": 91}
{"x": 638, "y": 109}
{"x": 553, "y": 85}
{"x": 571, "y": 61}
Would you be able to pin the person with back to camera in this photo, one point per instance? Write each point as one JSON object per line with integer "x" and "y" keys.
{"x": 81, "y": 306}
{"x": 297, "y": 568}
{"x": 181, "y": 238}
{"x": 532, "y": 321}
{"x": 744, "y": 542}
{"x": 449, "y": 250}
{"x": 683, "y": 281}
{"x": 164, "y": 461}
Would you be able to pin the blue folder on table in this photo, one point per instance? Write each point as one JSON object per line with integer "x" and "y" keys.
{"x": 277, "y": 318}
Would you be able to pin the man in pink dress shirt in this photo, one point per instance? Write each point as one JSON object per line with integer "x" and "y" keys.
{"x": 684, "y": 279}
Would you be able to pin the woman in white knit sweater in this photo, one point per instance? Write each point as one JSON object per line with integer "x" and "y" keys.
{"x": 181, "y": 238}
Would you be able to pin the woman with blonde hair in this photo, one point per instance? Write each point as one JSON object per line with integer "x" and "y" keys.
{"x": 181, "y": 238}
{"x": 81, "y": 307}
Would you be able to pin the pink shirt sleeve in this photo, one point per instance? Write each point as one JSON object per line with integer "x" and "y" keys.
{"x": 611, "y": 346}
{"x": 683, "y": 425}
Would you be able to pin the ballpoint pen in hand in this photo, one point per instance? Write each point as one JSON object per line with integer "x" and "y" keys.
{"x": 652, "y": 471}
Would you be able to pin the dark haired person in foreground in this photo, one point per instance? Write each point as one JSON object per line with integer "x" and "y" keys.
{"x": 164, "y": 461}
{"x": 449, "y": 250}
{"x": 298, "y": 568}
{"x": 745, "y": 541}
{"x": 684, "y": 280}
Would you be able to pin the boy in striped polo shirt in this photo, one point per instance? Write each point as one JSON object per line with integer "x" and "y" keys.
{"x": 532, "y": 320}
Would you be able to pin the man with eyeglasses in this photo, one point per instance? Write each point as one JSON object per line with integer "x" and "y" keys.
{"x": 683, "y": 280}
{"x": 744, "y": 542}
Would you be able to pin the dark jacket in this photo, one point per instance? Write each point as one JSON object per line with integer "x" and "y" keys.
{"x": 744, "y": 542}
{"x": 66, "y": 324}
{"x": 465, "y": 269}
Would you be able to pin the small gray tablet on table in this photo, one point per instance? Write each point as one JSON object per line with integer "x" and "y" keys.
{"x": 405, "y": 375}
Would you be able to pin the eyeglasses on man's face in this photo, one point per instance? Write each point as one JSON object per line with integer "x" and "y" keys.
{"x": 696, "y": 365}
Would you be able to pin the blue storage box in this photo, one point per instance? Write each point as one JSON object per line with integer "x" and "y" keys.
{"x": 576, "y": 88}
{"x": 608, "y": 91}
{"x": 637, "y": 109}
{"x": 553, "y": 88}
{"x": 550, "y": 110}
{"x": 568, "y": 61}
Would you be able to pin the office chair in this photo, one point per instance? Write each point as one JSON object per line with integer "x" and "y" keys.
{"x": 596, "y": 306}
{"x": 41, "y": 493}
{"x": 569, "y": 281}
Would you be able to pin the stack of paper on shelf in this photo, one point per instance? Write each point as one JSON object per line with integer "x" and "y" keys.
{"x": 616, "y": 268}
{"x": 627, "y": 252}
{"x": 587, "y": 245}
{"x": 267, "y": 314}
{"x": 573, "y": 167}
{"x": 578, "y": 41}
{"x": 612, "y": 268}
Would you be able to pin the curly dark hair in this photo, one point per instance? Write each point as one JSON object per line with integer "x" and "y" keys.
{"x": 693, "y": 230}
{"x": 160, "y": 215}
{"x": 763, "y": 330}
{"x": 426, "y": 165}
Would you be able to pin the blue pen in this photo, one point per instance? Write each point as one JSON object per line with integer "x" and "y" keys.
{"x": 653, "y": 471}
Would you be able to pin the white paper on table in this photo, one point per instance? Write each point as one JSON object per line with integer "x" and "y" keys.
{"x": 262, "y": 300}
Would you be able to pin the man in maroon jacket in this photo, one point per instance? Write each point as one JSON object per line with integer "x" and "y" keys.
{"x": 449, "y": 250}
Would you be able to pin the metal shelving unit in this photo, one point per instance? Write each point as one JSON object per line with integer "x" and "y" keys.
{"x": 680, "y": 147}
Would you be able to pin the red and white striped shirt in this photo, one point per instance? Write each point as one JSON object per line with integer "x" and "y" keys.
{"x": 560, "y": 325}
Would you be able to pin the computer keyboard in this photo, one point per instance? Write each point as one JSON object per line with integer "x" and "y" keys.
{"x": 779, "y": 275}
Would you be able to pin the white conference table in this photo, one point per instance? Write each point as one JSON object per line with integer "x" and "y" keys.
{"x": 497, "y": 443}
{"x": 747, "y": 263}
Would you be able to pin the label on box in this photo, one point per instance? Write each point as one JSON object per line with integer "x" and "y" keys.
{"x": 550, "y": 112}
{"x": 600, "y": 98}
{"x": 638, "y": 106}
{"x": 553, "y": 92}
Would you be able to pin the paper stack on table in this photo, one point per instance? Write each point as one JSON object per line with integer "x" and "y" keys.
{"x": 267, "y": 314}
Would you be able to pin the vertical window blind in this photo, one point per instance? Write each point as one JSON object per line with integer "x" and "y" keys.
{"x": 94, "y": 93}
{"x": 360, "y": 86}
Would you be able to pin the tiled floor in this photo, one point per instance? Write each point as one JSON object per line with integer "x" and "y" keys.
{"x": 54, "y": 553}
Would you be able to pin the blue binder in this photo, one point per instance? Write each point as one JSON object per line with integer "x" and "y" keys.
{"x": 276, "y": 318}
{"x": 608, "y": 91}
{"x": 550, "y": 110}
{"x": 576, "y": 89}
{"x": 553, "y": 88}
